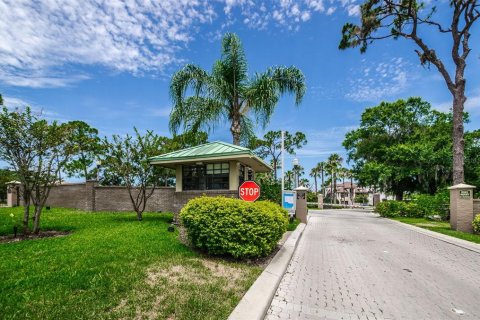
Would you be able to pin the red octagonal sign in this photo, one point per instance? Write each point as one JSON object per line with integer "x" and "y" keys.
{"x": 249, "y": 191}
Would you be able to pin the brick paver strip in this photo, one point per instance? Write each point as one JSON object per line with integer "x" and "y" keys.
{"x": 354, "y": 265}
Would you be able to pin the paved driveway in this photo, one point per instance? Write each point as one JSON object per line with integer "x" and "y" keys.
{"x": 354, "y": 265}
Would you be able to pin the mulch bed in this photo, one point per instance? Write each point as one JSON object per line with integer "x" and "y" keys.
{"x": 41, "y": 234}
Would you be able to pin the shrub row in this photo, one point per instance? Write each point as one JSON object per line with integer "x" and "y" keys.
{"x": 476, "y": 224}
{"x": 421, "y": 205}
{"x": 392, "y": 209}
{"x": 224, "y": 226}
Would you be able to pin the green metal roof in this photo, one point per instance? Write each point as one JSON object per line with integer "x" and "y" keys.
{"x": 209, "y": 150}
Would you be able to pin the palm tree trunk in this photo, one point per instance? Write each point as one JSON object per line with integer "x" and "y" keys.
{"x": 323, "y": 186}
{"x": 235, "y": 129}
{"x": 315, "y": 179}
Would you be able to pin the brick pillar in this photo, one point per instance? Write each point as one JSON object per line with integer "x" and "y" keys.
{"x": 90, "y": 186}
{"x": 13, "y": 194}
{"x": 461, "y": 207}
{"x": 320, "y": 201}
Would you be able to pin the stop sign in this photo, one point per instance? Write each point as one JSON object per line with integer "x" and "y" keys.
{"x": 249, "y": 191}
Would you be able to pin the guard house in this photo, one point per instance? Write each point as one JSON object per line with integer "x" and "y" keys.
{"x": 214, "y": 169}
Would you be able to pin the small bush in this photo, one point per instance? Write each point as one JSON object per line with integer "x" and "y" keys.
{"x": 476, "y": 224}
{"x": 224, "y": 226}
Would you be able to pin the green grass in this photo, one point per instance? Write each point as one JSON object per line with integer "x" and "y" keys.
{"x": 292, "y": 225}
{"x": 440, "y": 227}
{"x": 112, "y": 266}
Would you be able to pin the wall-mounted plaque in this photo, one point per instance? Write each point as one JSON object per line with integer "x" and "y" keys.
{"x": 465, "y": 194}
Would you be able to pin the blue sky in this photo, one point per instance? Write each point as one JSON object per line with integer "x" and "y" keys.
{"x": 110, "y": 64}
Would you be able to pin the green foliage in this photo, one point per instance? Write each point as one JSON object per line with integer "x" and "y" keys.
{"x": 224, "y": 226}
{"x": 270, "y": 189}
{"x": 391, "y": 209}
{"x": 403, "y": 146}
{"x": 228, "y": 93}
{"x": 270, "y": 146}
{"x": 421, "y": 205}
{"x": 128, "y": 158}
{"x": 292, "y": 224}
{"x": 476, "y": 224}
{"x": 87, "y": 150}
{"x": 312, "y": 197}
{"x": 361, "y": 198}
{"x": 431, "y": 205}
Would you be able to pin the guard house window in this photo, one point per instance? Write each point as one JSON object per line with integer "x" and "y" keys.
{"x": 241, "y": 174}
{"x": 217, "y": 176}
{"x": 212, "y": 176}
{"x": 193, "y": 177}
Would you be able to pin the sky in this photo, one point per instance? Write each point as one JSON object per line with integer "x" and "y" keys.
{"x": 109, "y": 63}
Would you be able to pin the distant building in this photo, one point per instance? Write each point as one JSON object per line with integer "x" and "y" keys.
{"x": 346, "y": 193}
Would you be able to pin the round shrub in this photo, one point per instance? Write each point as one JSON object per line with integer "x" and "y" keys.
{"x": 390, "y": 209}
{"x": 476, "y": 224}
{"x": 225, "y": 226}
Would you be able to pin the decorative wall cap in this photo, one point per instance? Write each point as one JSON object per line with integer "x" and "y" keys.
{"x": 462, "y": 186}
{"x": 13, "y": 182}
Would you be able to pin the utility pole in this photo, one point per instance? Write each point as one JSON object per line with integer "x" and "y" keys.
{"x": 283, "y": 164}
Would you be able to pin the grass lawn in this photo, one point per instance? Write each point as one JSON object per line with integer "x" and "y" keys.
{"x": 292, "y": 225}
{"x": 440, "y": 227}
{"x": 112, "y": 266}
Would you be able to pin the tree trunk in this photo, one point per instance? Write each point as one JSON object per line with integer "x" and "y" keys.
{"x": 323, "y": 184}
{"x": 36, "y": 223}
{"x": 458, "y": 139}
{"x": 315, "y": 179}
{"x": 235, "y": 129}
{"x": 26, "y": 215}
{"x": 275, "y": 169}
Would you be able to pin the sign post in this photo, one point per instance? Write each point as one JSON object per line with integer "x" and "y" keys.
{"x": 249, "y": 191}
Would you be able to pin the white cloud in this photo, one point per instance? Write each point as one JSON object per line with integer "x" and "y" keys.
{"x": 161, "y": 112}
{"x": 377, "y": 81}
{"x": 40, "y": 38}
{"x": 472, "y": 105}
{"x": 44, "y": 43}
{"x": 19, "y": 103}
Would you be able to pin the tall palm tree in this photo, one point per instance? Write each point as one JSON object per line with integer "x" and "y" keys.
{"x": 289, "y": 176}
{"x": 333, "y": 164}
{"x": 314, "y": 172}
{"x": 321, "y": 170}
{"x": 229, "y": 94}
{"x": 298, "y": 170}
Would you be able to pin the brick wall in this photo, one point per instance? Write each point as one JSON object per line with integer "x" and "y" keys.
{"x": 91, "y": 197}
{"x": 117, "y": 199}
{"x": 476, "y": 206}
{"x": 71, "y": 195}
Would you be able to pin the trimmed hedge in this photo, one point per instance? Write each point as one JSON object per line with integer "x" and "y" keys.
{"x": 392, "y": 209}
{"x": 225, "y": 226}
{"x": 476, "y": 224}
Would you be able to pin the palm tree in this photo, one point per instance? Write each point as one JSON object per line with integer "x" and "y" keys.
{"x": 289, "y": 176}
{"x": 228, "y": 94}
{"x": 333, "y": 163}
{"x": 298, "y": 170}
{"x": 321, "y": 169}
{"x": 314, "y": 174}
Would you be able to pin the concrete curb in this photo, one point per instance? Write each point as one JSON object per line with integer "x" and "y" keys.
{"x": 256, "y": 302}
{"x": 442, "y": 237}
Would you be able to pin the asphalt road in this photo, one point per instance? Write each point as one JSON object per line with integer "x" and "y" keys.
{"x": 355, "y": 265}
